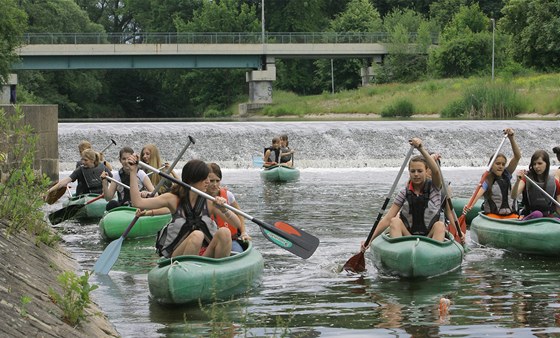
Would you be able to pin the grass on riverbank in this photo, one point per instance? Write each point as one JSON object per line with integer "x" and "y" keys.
{"x": 537, "y": 94}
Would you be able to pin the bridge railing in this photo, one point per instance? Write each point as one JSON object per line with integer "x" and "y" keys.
{"x": 207, "y": 38}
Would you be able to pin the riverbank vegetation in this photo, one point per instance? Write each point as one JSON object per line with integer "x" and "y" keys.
{"x": 428, "y": 42}
{"x": 474, "y": 97}
{"x": 21, "y": 216}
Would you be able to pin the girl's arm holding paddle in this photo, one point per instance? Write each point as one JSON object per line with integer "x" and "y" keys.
{"x": 512, "y": 165}
{"x": 166, "y": 200}
{"x": 108, "y": 189}
{"x": 62, "y": 183}
{"x": 519, "y": 185}
{"x": 383, "y": 224}
{"x": 432, "y": 164}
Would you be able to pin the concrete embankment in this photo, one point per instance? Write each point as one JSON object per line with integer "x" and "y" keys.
{"x": 27, "y": 272}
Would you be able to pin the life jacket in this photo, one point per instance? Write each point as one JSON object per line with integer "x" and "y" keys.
{"x": 420, "y": 212}
{"x": 235, "y": 233}
{"x": 91, "y": 180}
{"x": 499, "y": 194}
{"x": 123, "y": 194}
{"x": 184, "y": 221}
{"x": 285, "y": 158}
{"x": 274, "y": 154}
{"x": 534, "y": 199}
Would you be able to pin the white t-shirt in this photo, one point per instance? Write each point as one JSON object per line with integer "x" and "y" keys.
{"x": 141, "y": 176}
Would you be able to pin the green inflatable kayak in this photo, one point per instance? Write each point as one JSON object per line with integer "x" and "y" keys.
{"x": 116, "y": 220}
{"x": 539, "y": 236}
{"x": 460, "y": 202}
{"x": 87, "y": 209}
{"x": 279, "y": 173}
{"x": 415, "y": 256}
{"x": 187, "y": 279}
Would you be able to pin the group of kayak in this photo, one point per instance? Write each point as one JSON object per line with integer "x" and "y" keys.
{"x": 408, "y": 240}
{"x": 421, "y": 235}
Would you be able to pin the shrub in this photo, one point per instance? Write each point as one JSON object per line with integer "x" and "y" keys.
{"x": 75, "y": 296}
{"x": 20, "y": 195}
{"x": 487, "y": 101}
{"x": 214, "y": 113}
{"x": 401, "y": 108}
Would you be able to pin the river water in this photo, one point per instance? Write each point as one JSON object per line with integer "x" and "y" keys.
{"x": 347, "y": 169}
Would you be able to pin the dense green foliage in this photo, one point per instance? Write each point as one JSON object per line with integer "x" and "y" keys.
{"x": 486, "y": 101}
{"x": 527, "y": 35}
{"x": 12, "y": 27}
{"x": 20, "y": 193}
{"x": 400, "y": 108}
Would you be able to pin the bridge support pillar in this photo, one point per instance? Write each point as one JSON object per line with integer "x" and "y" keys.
{"x": 367, "y": 74}
{"x": 260, "y": 87}
{"x": 8, "y": 90}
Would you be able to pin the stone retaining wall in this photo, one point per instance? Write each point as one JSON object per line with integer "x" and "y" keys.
{"x": 44, "y": 121}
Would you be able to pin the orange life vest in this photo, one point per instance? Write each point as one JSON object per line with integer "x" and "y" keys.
{"x": 221, "y": 223}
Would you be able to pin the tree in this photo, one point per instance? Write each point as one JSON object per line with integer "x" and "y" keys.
{"x": 359, "y": 16}
{"x": 114, "y": 15}
{"x": 214, "y": 88}
{"x": 13, "y": 23}
{"x": 71, "y": 90}
{"x": 222, "y": 16}
{"x": 407, "y": 58}
{"x": 466, "y": 45}
{"x": 160, "y": 15}
{"x": 443, "y": 11}
{"x": 534, "y": 28}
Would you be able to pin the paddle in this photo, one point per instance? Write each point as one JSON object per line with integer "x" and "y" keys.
{"x": 257, "y": 161}
{"x": 111, "y": 253}
{"x": 55, "y": 195}
{"x": 69, "y": 211}
{"x": 455, "y": 231}
{"x": 284, "y": 235}
{"x": 542, "y": 190}
{"x": 357, "y": 263}
{"x": 124, "y": 185}
{"x": 463, "y": 217}
{"x": 108, "y": 146}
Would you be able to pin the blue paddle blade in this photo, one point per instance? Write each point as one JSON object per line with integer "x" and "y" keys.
{"x": 257, "y": 161}
{"x": 109, "y": 257}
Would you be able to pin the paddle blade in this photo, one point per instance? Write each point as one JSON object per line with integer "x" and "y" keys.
{"x": 109, "y": 257}
{"x": 290, "y": 238}
{"x": 356, "y": 263}
{"x": 55, "y": 195}
{"x": 65, "y": 213}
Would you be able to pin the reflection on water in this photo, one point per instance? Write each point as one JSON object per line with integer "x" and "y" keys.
{"x": 494, "y": 294}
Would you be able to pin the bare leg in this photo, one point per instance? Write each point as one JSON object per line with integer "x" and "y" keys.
{"x": 438, "y": 231}
{"x": 190, "y": 245}
{"x": 220, "y": 246}
{"x": 397, "y": 228}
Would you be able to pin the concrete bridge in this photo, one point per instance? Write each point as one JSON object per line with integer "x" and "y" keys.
{"x": 255, "y": 52}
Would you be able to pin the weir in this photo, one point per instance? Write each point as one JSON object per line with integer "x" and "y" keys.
{"x": 337, "y": 144}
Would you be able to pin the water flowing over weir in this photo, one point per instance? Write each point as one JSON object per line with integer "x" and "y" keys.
{"x": 338, "y": 144}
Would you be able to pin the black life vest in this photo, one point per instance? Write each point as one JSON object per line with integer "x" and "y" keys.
{"x": 185, "y": 220}
{"x": 418, "y": 213}
{"x": 124, "y": 195}
{"x": 91, "y": 180}
{"x": 534, "y": 199}
{"x": 274, "y": 154}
